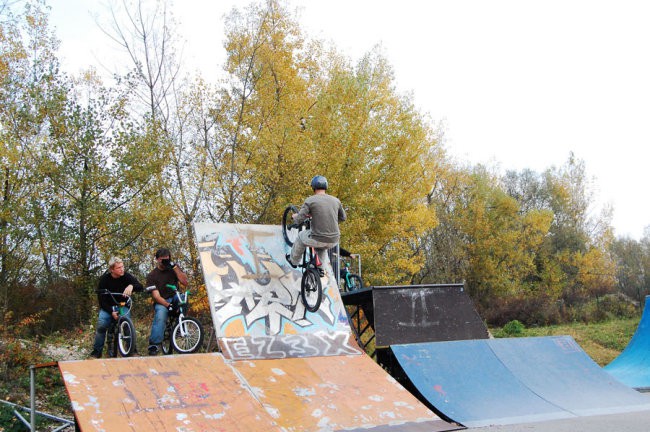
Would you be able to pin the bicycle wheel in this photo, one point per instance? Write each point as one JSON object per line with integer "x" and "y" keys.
{"x": 311, "y": 289}
{"x": 353, "y": 283}
{"x": 187, "y": 336}
{"x": 167, "y": 346}
{"x": 289, "y": 230}
{"x": 125, "y": 336}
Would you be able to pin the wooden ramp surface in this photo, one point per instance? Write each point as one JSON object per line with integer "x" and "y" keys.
{"x": 205, "y": 392}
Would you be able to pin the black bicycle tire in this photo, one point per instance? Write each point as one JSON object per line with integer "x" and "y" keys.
{"x": 311, "y": 275}
{"x": 126, "y": 340}
{"x": 195, "y": 344}
{"x": 167, "y": 345}
{"x": 291, "y": 209}
{"x": 355, "y": 286}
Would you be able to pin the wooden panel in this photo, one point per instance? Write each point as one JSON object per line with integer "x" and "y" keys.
{"x": 333, "y": 393}
{"x": 196, "y": 392}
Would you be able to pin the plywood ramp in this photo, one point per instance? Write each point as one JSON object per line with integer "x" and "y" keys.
{"x": 205, "y": 392}
{"x": 173, "y": 393}
{"x": 335, "y": 393}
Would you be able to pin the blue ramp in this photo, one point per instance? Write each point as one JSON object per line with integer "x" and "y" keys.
{"x": 503, "y": 381}
{"x": 632, "y": 366}
{"x": 466, "y": 382}
{"x": 558, "y": 370}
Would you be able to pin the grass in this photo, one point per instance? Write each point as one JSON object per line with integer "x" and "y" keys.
{"x": 603, "y": 342}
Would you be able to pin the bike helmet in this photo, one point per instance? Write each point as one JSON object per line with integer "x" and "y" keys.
{"x": 319, "y": 182}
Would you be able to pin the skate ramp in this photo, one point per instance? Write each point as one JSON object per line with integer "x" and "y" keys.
{"x": 206, "y": 392}
{"x": 504, "y": 381}
{"x": 632, "y": 366}
{"x": 255, "y": 300}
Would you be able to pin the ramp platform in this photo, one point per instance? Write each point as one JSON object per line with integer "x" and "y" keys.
{"x": 503, "y": 381}
{"x": 205, "y": 392}
{"x": 632, "y": 366}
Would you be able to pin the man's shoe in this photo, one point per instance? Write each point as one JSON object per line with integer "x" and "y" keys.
{"x": 95, "y": 354}
{"x": 288, "y": 257}
{"x": 153, "y": 350}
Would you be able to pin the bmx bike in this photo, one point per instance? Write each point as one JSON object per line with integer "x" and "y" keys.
{"x": 121, "y": 335}
{"x": 183, "y": 334}
{"x": 350, "y": 281}
{"x": 311, "y": 288}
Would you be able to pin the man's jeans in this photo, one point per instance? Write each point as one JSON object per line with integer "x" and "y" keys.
{"x": 303, "y": 241}
{"x": 105, "y": 323}
{"x": 158, "y": 325}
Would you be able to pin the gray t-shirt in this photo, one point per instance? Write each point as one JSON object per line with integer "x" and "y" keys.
{"x": 326, "y": 212}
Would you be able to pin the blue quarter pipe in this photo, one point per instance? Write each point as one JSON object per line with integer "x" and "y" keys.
{"x": 632, "y": 366}
{"x": 503, "y": 381}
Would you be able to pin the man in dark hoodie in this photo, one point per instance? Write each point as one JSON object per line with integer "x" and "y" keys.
{"x": 166, "y": 272}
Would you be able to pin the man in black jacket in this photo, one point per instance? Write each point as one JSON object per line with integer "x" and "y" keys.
{"x": 120, "y": 285}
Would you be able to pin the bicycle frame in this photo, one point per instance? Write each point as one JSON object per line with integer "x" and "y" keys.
{"x": 182, "y": 333}
{"x": 122, "y": 332}
{"x": 311, "y": 289}
{"x": 182, "y": 308}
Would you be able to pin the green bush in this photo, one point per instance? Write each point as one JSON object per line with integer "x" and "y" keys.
{"x": 514, "y": 328}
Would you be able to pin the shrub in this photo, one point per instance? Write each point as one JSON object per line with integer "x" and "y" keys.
{"x": 514, "y": 328}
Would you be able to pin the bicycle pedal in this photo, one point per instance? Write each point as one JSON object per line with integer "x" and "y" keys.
{"x": 288, "y": 257}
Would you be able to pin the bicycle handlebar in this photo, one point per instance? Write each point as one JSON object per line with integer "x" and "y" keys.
{"x": 154, "y": 287}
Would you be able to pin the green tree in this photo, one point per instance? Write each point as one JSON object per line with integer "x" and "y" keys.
{"x": 95, "y": 167}
{"x": 27, "y": 70}
{"x": 632, "y": 259}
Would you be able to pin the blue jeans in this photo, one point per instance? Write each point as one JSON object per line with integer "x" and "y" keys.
{"x": 105, "y": 323}
{"x": 158, "y": 325}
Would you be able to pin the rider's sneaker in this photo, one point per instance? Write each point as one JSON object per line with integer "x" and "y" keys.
{"x": 153, "y": 350}
{"x": 95, "y": 354}
{"x": 321, "y": 272}
{"x": 288, "y": 257}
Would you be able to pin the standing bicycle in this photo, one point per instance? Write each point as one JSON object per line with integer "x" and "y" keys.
{"x": 183, "y": 334}
{"x": 324, "y": 213}
{"x": 114, "y": 296}
{"x": 348, "y": 280}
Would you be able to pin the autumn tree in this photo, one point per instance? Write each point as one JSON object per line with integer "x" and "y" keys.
{"x": 176, "y": 111}
{"x": 293, "y": 110}
{"x": 261, "y": 148}
{"x": 579, "y": 241}
{"x": 484, "y": 239}
{"x": 383, "y": 156}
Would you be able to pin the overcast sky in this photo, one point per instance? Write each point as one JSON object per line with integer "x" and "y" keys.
{"x": 516, "y": 84}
